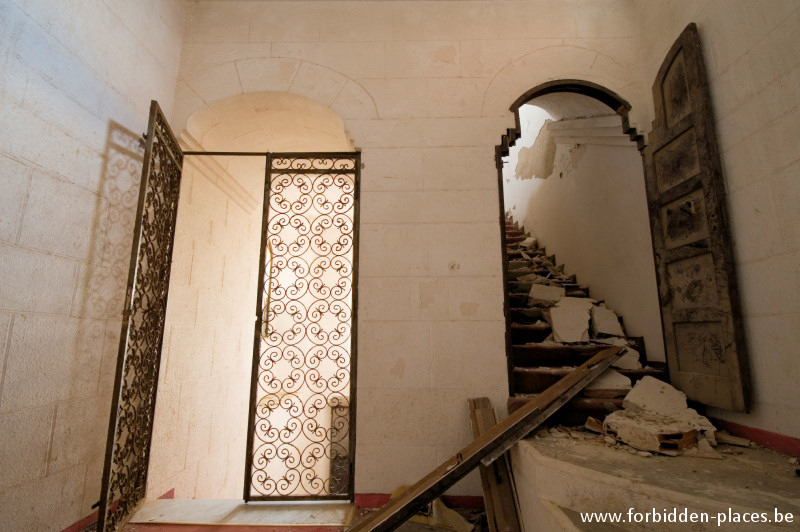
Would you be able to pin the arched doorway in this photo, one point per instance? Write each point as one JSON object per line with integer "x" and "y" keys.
{"x": 571, "y": 175}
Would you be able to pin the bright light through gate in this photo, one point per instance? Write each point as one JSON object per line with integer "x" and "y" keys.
{"x": 301, "y": 436}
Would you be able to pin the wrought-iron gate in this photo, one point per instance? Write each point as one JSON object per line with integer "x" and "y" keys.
{"x": 133, "y": 403}
{"x": 302, "y": 410}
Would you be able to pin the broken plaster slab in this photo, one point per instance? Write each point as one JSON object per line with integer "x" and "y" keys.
{"x": 610, "y": 380}
{"x": 656, "y": 418}
{"x": 577, "y": 302}
{"x": 541, "y": 292}
{"x": 653, "y": 395}
{"x": 605, "y": 322}
{"x": 651, "y": 431}
{"x": 570, "y": 320}
{"x": 532, "y": 277}
{"x": 629, "y": 360}
{"x": 656, "y": 396}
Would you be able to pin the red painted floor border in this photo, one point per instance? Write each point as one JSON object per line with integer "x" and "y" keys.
{"x": 764, "y": 438}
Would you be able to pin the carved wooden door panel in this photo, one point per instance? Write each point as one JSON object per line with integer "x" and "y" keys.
{"x": 691, "y": 240}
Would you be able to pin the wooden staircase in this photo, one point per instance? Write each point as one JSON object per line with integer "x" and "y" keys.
{"x": 535, "y": 360}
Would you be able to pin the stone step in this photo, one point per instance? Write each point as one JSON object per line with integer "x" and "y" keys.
{"x": 522, "y": 333}
{"x": 537, "y": 380}
{"x": 575, "y": 412}
{"x": 514, "y": 239}
{"x": 525, "y": 315}
{"x": 534, "y": 354}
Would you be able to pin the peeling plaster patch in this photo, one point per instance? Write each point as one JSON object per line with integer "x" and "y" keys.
{"x": 469, "y": 309}
{"x": 537, "y": 160}
{"x": 445, "y": 54}
{"x": 399, "y": 368}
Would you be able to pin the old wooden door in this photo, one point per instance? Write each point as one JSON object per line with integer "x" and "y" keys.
{"x": 691, "y": 240}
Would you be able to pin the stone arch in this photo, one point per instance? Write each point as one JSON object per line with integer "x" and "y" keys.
{"x": 572, "y": 86}
{"x": 554, "y": 63}
{"x": 267, "y": 121}
{"x": 342, "y": 94}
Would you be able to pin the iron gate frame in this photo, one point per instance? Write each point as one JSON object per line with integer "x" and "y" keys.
{"x": 263, "y": 281}
{"x": 127, "y": 457}
{"x": 114, "y": 508}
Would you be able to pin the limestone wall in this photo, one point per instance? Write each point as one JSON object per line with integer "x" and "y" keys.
{"x": 753, "y": 64}
{"x": 77, "y": 79}
{"x": 424, "y": 90}
{"x": 204, "y": 386}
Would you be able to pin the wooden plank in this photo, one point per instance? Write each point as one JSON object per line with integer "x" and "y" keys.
{"x": 489, "y": 446}
{"x": 499, "y": 493}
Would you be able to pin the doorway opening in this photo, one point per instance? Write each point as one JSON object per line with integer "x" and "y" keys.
{"x": 224, "y": 288}
{"x": 571, "y": 177}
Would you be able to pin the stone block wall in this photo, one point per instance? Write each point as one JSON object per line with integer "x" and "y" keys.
{"x": 204, "y": 386}
{"x": 424, "y": 90}
{"x": 77, "y": 79}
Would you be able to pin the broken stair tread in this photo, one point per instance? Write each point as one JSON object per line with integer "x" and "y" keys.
{"x": 540, "y": 326}
{"x": 544, "y": 370}
{"x": 585, "y": 404}
{"x": 529, "y": 355}
{"x": 536, "y": 379}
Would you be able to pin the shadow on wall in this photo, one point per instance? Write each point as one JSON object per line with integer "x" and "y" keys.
{"x": 101, "y": 293}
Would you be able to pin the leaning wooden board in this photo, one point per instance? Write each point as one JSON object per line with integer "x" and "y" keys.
{"x": 488, "y": 446}
{"x": 499, "y": 494}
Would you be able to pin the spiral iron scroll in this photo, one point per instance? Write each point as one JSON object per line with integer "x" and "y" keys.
{"x": 125, "y": 474}
{"x": 301, "y": 431}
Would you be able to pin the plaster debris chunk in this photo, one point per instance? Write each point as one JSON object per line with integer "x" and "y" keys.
{"x": 610, "y": 380}
{"x": 577, "y": 302}
{"x": 532, "y": 277}
{"x": 656, "y": 418}
{"x": 605, "y": 322}
{"x": 656, "y": 396}
{"x": 650, "y": 431}
{"x": 570, "y": 322}
{"x": 630, "y": 360}
{"x": 541, "y": 292}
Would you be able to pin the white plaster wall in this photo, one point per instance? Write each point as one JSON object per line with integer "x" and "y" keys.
{"x": 204, "y": 386}
{"x": 753, "y": 60}
{"x": 424, "y": 90}
{"x": 591, "y": 213}
{"x": 75, "y": 89}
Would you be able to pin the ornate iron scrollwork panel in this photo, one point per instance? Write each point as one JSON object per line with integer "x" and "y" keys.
{"x": 301, "y": 419}
{"x": 131, "y": 427}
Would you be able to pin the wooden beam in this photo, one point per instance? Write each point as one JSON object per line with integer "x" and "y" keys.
{"x": 489, "y": 446}
{"x": 499, "y": 493}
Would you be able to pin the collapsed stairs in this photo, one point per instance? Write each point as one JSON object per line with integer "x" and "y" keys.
{"x": 537, "y": 356}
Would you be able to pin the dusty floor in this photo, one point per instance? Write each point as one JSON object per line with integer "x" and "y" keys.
{"x": 580, "y": 472}
{"x": 476, "y": 516}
